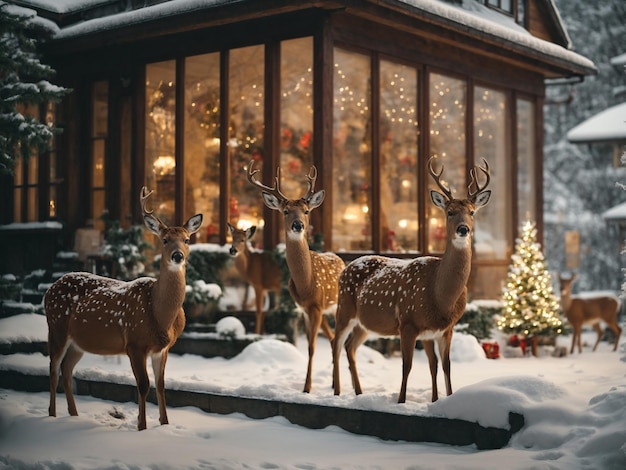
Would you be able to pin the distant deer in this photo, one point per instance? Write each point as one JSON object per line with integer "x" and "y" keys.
{"x": 313, "y": 282}
{"x": 107, "y": 316}
{"x": 258, "y": 268}
{"x": 422, "y": 298}
{"x": 589, "y": 310}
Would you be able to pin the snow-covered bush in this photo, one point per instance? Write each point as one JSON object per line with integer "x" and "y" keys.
{"x": 230, "y": 327}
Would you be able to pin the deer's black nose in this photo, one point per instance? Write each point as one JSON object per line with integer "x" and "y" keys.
{"x": 462, "y": 230}
{"x": 233, "y": 251}
{"x": 297, "y": 226}
{"x": 178, "y": 257}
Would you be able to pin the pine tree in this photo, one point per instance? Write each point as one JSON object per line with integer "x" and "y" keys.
{"x": 530, "y": 306}
{"x": 23, "y": 81}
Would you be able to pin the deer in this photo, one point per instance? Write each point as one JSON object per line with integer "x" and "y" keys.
{"x": 313, "y": 276}
{"x": 592, "y": 309}
{"x": 140, "y": 318}
{"x": 420, "y": 298}
{"x": 258, "y": 268}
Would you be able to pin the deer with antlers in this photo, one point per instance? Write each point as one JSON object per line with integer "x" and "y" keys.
{"x": 313, "y": 275}
{"x": 140, "y": 318}
{"x": 589, "y": 310}
{"x": 422, "y": 298}
{"x": 258, "y": 268}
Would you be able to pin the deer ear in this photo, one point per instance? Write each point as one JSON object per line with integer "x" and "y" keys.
{"x": 271, "y": 201}
{"x": 482, "y": 199}
{"x": 153, "y": 224}
{"x": 316, "y": 199}
{"x": 438, "y": 199}
{"x": 250, "y": 232}
{"x": 230, "y": 227}
{"x": 194, "y": 223}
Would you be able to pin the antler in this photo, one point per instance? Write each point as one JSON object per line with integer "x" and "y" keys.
{"x": 311, "y": 177}
{"x": 437, "y": 178}
{"x": 274, "y": 190}
{"x": 142, "y": 199}
{"x": 472, "y": 195}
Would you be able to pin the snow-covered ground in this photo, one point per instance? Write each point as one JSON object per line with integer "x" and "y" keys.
{"x": 574, "y": 407}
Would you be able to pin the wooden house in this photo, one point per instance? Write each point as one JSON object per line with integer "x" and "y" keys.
{"x": 181, "y": 95}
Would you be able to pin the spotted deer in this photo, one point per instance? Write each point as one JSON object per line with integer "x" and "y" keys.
{"x": 421, "y": 298}
{"x": 258, "y": 268}
{"x": 139, "y": 318}
{"x": 590, "y": 309}
{"x": 313, "y": 275}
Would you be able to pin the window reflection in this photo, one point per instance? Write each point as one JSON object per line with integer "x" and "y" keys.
{"x": 202, "y": 142}
{"x": 525, "y": 161}
{"x": 160, "y": 137}
{"x": 246, "y": 123}
{"x": 398, "y": 157}
{"x": 447, "y": 143}
{"x": 351, "y": 152}
{"x": 491, "y": 142}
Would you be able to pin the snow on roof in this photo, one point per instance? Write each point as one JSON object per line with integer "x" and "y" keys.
{"x": 619, "y": 60}
{"x": 471, "y": 15}
{"x": 607, "y": 125}
{"x": 615, "y": 214}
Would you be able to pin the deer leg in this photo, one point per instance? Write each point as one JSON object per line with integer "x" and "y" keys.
{"x": 618, "y": 332}
{"x": 158, "y": 367}
{"x": 314, "y": 315}
{"x": 429, "y": 349}
{"x": 599, "y": 332}
{"x": 71, "y": 358}
{"x": 56, "y": 356}
{"x": 444, "y": 352}
{"x": 575, "y": 337}
{"x": 327, "y": 329}
{"x": 358, "y": 336}
{"x": 408, "y": 336}
{"x": 342, "y": 330}
{"x": 258, "y": 327}
{"x": 138, "y": 364}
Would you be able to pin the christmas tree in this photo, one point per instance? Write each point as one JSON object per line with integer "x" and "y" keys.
{"x": 530, "y": 306}
{"x": 23, "y": 81}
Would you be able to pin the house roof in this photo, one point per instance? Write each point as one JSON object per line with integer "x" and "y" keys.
{"x": 606, "y": 126}
{"x": 616, "y": 213}
{"x": 469, "y": 18}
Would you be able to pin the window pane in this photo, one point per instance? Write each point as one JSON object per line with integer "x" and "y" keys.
{"x": 398, "y": 157}
{"x": 160, "y": 136}
{"x": 296, "y": 114}
{"x": 33, "y": 213}
{"x": 491, "y": 142}
{"x": 100, "y": 109}
{"x": 98, "y": 165}
{"x": 33, "y": 168}
{"x": 17, "y": 204}
{"x": 246, "y": 120}
{"x": 351, "y": 153}
{"x": 447, "y": 143}
{"x": 526, "y": 161}
{"x": 202, "y": 142}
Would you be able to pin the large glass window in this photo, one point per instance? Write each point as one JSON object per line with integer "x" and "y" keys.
{"x": 352, "y": 163}
{"x": 526, "y": 144}
{"x": 202, "y": 142}
{"x": 398, "y": 157}
{"x": 99, "y": 134}
{"x": 160, "y": 137}
{"x": 246, "y": 126}
{"x": 52, "y": 160}
{"x": 447, "y": 110}
{"x": 492, "y": 142}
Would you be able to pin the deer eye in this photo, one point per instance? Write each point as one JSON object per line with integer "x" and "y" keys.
{"x": 306, "y": 212}
{"x": 450, "y": 213}
{"x": 285, "y": 212}
{"x": 186, "y": 241}
{"x": 165, "y": 241}
{"x": 472, "y": 213}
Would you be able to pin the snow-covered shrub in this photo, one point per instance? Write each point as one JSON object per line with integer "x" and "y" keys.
{"x": 125, "y": 247}
{"x": 230, "y": 327}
